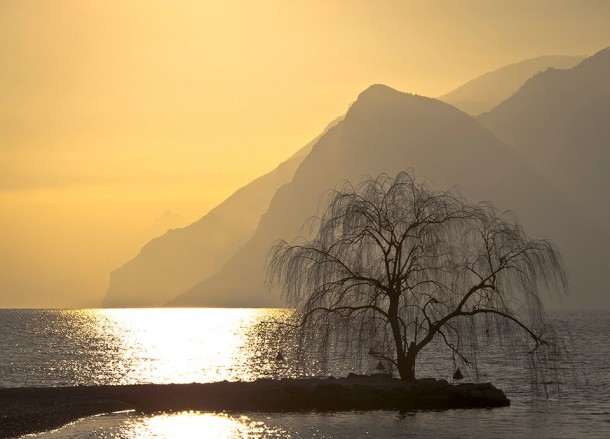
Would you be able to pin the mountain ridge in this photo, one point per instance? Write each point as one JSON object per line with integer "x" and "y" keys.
{"x": 559, "y": 121}
{"x": 488, "y": 90}
{"x": 178, "y": 259}
{"x": 385, "y": 131}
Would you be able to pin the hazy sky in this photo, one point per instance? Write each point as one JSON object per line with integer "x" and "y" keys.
{"x": 113, "y": 112}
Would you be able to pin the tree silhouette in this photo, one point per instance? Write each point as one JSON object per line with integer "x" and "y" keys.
{"x": 395, "y": 265}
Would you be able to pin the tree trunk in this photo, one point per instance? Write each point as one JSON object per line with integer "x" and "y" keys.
{"x": 405, "y": 360}
{"x": 406, "y": 364}
{"x": 406, "y": 368}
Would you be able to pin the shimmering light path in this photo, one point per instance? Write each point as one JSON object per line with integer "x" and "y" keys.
{"x": 167, "y": 425}
{"x": 126, "y": 346}
{"x": 70, "y": 347}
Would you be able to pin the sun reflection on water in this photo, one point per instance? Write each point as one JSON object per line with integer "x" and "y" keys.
{"x": 70, "y": 347}
{"x": 194, "y": 424}
{"x": 184, "y": 345}
{"x": 130, "y": 346}
{"x": 179, "y": 425}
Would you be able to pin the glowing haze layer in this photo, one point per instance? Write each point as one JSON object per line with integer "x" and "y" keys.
{"x": 114, "y": 112}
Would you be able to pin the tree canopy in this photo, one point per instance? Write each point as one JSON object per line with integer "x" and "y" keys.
{"x": 394, "y": 265}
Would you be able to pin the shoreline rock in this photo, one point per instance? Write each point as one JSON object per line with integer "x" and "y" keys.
{"x": 31, "y": 410}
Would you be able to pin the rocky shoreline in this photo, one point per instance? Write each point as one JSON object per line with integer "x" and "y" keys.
{"x": 30, "y": 410}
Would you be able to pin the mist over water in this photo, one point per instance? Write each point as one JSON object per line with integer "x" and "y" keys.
{"x": 69, "y": 347}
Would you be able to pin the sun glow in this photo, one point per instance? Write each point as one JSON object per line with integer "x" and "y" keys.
{"x": 205, "y": 342}
{"x": 179, "y": 425}
{"x": 184, "y": 102}
{"x": 195, "y": 424}
{"x": 158, "y": 346}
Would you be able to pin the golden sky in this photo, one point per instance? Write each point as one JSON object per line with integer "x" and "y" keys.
{"x": 113, "y": 112}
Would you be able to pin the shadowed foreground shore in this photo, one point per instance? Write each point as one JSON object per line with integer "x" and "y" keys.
{"x": 30, "y": 410}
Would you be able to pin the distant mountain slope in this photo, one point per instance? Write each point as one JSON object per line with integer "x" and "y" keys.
{"x": 388, "y": 131}
{"x": 181, "y": 258}
{"x": 559, "y": 121}
{"x": 490, "y": 89}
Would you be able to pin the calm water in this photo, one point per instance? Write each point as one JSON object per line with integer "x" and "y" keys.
{"x": 57, "y": 348}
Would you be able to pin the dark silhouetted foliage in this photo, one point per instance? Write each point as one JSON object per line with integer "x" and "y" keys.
{"x": 395, "y": 265}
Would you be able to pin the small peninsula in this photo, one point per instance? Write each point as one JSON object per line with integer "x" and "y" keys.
{"x": 31, "y": 410}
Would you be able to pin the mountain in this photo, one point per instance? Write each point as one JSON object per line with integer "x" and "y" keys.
{"x": 559, "y": 121}
{"x": 179, "y": 259}
{"x": 490, "y": 89}
{"x": 388, "y": 131}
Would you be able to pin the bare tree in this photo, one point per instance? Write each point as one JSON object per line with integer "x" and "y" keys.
{"x": 395, "y": 265}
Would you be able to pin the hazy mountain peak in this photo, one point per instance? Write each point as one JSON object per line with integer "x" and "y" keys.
{"x": 537, "y": 118}
{"x": 596, "y": 63}
{"x": 380, "y": 104}
{"x": 380, "y": 95}
{"x": 490, "y": 89}
{"x": 384, "y": 131}
{"x": 376, "y": 91}
{"x": 559, "y": 121}
{"x": 587, "y": 78}
{"x": 178, "y": 259}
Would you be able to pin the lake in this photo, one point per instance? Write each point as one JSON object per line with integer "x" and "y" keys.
{"x": 122, "y": 346}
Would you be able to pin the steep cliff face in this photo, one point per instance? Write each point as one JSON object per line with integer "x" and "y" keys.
{"x": 388, "y": 131}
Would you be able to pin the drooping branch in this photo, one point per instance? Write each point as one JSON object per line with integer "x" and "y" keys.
{"x": 407, "y": 264}
{"x": 538, "y": 340}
